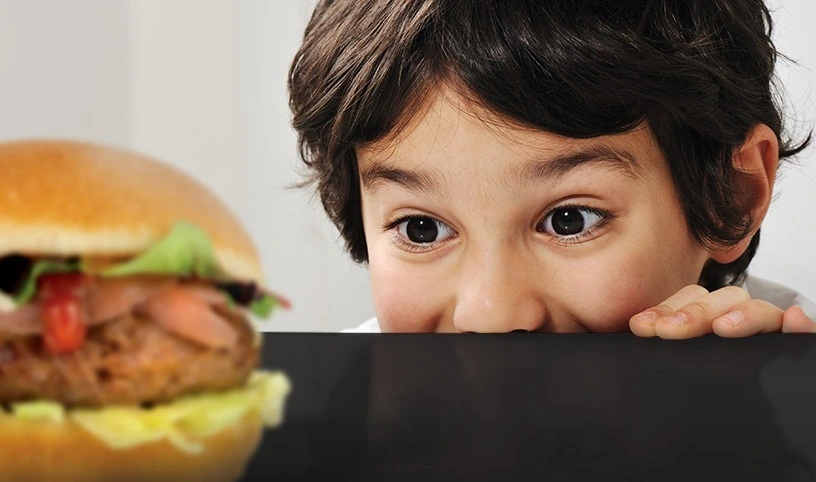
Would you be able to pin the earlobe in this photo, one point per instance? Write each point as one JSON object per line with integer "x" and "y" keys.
{"x": 729, "y": 254}
{"x": 755, "y": 163}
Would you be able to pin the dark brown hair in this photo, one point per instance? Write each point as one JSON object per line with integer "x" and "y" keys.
{"x": 699, "y": 72}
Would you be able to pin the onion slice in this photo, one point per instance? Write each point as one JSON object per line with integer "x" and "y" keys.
{"x": 24, "y": 320}
{"x": 185, "y": 313}
{"x": 111, "y": 298}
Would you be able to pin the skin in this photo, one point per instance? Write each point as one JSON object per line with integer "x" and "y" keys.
{"x": 498, "y": 263}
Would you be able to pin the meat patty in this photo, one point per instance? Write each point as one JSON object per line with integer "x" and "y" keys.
{"x": 130, "y": 360}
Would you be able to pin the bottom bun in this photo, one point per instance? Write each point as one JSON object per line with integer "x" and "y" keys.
{"x": 36, "y": 450}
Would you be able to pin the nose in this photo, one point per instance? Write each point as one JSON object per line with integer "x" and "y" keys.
{"x": 500, "y": 294}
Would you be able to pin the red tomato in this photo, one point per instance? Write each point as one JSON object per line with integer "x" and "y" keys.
{"x": 63, "y": 323}
{"x": 56, "y": 283}
{"x": 285, "y": 304}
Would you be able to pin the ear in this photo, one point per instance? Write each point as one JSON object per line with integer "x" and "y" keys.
{"x": 755, "y": 163}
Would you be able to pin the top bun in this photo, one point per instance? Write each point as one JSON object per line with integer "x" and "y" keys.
{"x": 67, "y": 198}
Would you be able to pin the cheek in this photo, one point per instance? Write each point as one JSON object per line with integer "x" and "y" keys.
{"x": 605, "y": 303}
{"x": 393, "y": 290}
{"x": 617, "y": 302}
{"x": 402, "y": 298}
{"x": 631, "y": 283}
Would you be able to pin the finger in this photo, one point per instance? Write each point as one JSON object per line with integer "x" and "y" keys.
{"x": 749, "y": 318}
{"x": 643, "y": 323}
{"x": 696, "y": 318}
{"x": 796, "y": 321}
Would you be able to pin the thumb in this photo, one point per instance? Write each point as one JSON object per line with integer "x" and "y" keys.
{"x": 796, "y": 321}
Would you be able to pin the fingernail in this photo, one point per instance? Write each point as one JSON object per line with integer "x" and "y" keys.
{"x": 647, "y": 317}
{"x": 734, "y": 317}
{"x": 677, "y": 319}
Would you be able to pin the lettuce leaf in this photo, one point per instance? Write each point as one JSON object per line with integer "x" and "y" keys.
{"x": 185, "y": 422}
{"x": 38, "y": 410}
{"x": 263, "y": 306}
{"x": 186, "y": 251}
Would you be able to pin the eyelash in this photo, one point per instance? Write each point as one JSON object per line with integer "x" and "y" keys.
{"x": 401, "y": 243}
{"x": 605, "y": 216}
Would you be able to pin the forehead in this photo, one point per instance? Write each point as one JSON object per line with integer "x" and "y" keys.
{"x": 449, "y": 127}
{"x": 445, "y": 112}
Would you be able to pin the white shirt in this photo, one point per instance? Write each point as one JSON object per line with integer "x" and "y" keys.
{"x": 776, "y": 294}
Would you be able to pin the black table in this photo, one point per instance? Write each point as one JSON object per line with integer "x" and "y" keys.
{"x": 542, "y": 407}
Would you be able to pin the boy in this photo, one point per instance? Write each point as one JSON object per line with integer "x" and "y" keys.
{"x": 562, "y": 166}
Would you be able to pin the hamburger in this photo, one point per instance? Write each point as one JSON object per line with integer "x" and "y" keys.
{"x": 128, "y": 348}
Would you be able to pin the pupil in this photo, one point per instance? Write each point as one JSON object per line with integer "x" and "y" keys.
{"x": 568, "y": 221}
{"x": 421, "y": 230}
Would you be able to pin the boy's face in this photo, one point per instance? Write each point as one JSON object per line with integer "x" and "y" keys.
{"x": 475, "y": 225}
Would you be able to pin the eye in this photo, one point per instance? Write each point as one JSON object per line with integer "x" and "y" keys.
{"x": 423, "y": 230}
{"x": 571, "y": 221}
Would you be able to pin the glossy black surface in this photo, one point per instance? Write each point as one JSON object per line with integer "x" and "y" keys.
{"x": 542, "y": 407}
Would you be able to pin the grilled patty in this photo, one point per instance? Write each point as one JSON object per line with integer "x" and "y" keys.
{"x": 130, "y": 360}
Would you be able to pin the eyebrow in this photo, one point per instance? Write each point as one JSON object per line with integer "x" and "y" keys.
{"x": 535, "y": 171}
{"x": 597, "y": 156}
{"x": 380, "y": 173}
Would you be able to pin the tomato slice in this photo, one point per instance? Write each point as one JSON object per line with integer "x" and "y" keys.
{"x": 63, "y": 323}
{"x": 51, "y": 284}
{"x": 285, "y": 304}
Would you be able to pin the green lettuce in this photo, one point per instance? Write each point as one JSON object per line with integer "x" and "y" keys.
{"x": 186, "y": 251}
{"x": 263, "y": 306}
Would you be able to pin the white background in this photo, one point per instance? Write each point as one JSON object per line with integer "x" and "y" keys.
{"x": 202, "y": 84}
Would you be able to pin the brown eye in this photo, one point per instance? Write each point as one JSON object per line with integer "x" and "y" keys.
{"x": 570, "y": 221}
{"x": 424, "y": 230}
{"x": 567, "y": 221}
{"x": 421, "y": 230}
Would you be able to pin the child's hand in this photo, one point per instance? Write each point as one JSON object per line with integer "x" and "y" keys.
{"x": 729, "y": 312}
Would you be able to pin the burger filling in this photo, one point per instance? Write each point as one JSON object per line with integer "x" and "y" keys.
{"x": 68, "y": 304}
{"x": 177, "y": 284}
{"x": 130, "y": 358}
{"x": 82, "y": 333}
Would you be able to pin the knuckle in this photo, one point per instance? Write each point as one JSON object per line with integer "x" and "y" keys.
{"x": 697, "y": 311}
{"x": 663, "y": 309}
{"x": 751, "y": 306}
{"x": 757, "y": 310}
{"x": 694, "y": 290}
{"x": 736, "y": 292}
